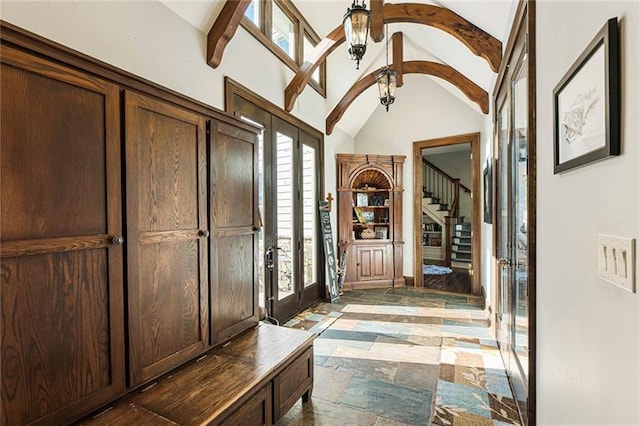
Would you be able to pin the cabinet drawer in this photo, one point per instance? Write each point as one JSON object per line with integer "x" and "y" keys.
{"x": 255, "y": 412}
{"x": 292, "y": 383}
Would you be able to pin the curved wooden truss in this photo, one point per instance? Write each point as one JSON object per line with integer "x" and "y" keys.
{"x": 468, "y": 87}
{"x": 223, "y": 29}
{"x": 478, "y": 41}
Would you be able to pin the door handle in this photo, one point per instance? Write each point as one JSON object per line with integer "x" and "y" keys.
{"x": 504, "y": 262}
{"x": 117, "y": 240}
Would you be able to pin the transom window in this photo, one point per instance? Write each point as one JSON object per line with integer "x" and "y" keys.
{"x": 281, "y": 28}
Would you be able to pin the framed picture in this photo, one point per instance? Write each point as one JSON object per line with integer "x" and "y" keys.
{"x": 362, "y": 200}
{"x": 381, "y": 232}
{"x": 586, "y": 104}
{"x": 369, "y": 217}
{"x": 377, "y": 200}
{"x": 487, "y": 180}
{"x": 359, "y": 215}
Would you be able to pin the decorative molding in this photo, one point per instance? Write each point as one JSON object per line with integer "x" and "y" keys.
{"x": 474, "y": 92}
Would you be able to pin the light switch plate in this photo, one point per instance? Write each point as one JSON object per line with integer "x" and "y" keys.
{"x": 617, "y": 261}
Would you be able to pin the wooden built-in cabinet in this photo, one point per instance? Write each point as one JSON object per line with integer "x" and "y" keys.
{"x": 166, "y": 206}
{"x": 127, "y": 225}
{"x": 61, "y": 282}
{"x": 370, "y": 219}
{"x": 233, "y": 223}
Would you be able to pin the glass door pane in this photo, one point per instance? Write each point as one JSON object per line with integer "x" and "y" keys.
{"x": 504, "y": 231}
{"x": 285, "y": 238}
{"x": 520, "y": 205}
{"x": 309, "y": 216}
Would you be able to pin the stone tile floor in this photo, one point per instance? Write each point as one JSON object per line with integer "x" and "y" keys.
{"x": 403, "y": 357}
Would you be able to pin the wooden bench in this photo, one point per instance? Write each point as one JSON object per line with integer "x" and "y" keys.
{"x": 252, "y": 380}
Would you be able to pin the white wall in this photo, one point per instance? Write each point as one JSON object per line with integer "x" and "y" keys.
{"x": 487, "y": 258}
{"x": 588, "y": 335}
{"x": 149, "y": 40}
{"x": 422, "y": 110}
{"x": 456, "y": 164}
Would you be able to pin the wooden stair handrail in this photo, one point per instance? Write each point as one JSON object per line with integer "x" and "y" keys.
{"x": 439, "y": 170}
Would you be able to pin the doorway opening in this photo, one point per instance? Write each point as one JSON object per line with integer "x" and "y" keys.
{"x": 446, "y": 215}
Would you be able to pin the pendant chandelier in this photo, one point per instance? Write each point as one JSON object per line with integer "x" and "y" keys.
{"x": 356, "y": 30}
{"x": 387, "y": 79}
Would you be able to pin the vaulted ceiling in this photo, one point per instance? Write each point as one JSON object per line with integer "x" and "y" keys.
{"x": 421, "y": 43}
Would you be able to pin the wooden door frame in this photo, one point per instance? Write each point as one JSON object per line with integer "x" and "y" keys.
{"x": 476, "y": 208}
{"x": 523, "y": 30}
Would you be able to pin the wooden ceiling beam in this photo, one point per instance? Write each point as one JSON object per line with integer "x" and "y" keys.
{"x": 223, "y": 29}
{"x": 327, "y": 45}
{"x": 398, "y": 55}
{"x": 377, "y": 20}
{"x": 474, "y": 92}
{"x": 478, "y": 41}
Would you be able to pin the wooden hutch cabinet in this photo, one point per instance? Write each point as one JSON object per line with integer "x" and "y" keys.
{"x": 370, "y": 219}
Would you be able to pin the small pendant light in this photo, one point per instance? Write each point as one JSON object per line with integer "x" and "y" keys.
{"x": 356, "y": 30}
{"x": 387, "y": 79}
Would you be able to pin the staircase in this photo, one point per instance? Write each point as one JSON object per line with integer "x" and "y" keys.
{"x": 440, "y": 202}
{"x": 461, "y": 245}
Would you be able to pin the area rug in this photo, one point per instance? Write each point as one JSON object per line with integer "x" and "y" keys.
{"x": 435, "y": 270}
{"x": 472, "y": 385}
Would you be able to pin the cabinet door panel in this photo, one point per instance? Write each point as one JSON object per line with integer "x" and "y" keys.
{"x": 61, "y": 301}
{"x": 235, "y": 281}
{"x": 167, "y": 256}
{"x": 372, "y": 263}
{"x": 234, "y": 296}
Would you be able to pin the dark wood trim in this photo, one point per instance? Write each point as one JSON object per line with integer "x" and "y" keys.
{"x": 474, "y": 92}
{"x": 531, "y": 203}
{"x": 524, "y": 25}
{"x": 439, "y": 170}
{"x": 377, "y": 20}
{"x": 12, "y": 35}
{"x": 269, "y": 44}
{"x": 474, "y": 140}
{"x": 302, "y": 27}
{"x": 409, "y": 281}
{"x": 232, "y": 87}
{"x": 398, "y": 54}
{"x": 223, "y": 29}
{"x": 478, "y": 41}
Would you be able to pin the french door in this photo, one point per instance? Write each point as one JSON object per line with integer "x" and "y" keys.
{"x": 515, "y": 220}
{"x": 289, "y": 261}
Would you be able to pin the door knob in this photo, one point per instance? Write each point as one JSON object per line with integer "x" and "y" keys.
{"x": 204, "y": 233}
{"x": 117, "y": 240}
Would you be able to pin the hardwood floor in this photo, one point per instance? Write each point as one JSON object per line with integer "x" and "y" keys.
{"x": 459, "y": 281}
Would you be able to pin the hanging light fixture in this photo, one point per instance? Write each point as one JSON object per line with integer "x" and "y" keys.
{"x": 387, "y": 80}
{"x": 356, "y": 30}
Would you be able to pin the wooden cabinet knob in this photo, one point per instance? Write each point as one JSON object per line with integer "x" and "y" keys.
{"x": 117, "y": 240}
{"x": 204, "y": 233}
